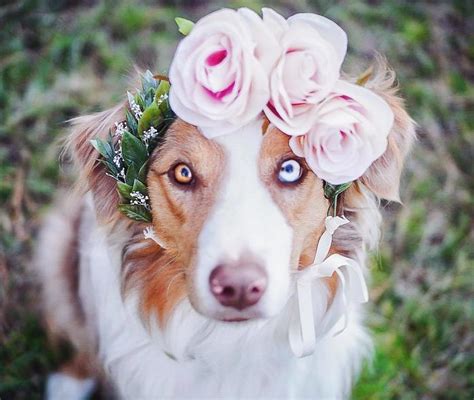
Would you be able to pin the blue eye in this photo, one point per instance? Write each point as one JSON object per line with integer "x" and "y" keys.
{"x": 290, "y": 171}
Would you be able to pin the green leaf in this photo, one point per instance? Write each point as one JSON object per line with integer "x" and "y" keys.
{"x": 184, "y": 25}
{"x": 149, "y": 97}
{"x": 124, "y": 190}
{"x": 140, "y": 100}
{"x": 131, "y": 122}
{"x": 161, "y": 97}
{"x": 152, "y": 116}
{"x": 331, "y": 191}
{"x": 111, "y": 167}
{"x": 139, "y": 187}
{"x": 131, "y": 174}
{"x": 133, "y": 150}
{"x": 148, "y": 81}
{"x": 131, "y": 98}
{"x": 163, "y": 88}
{"x": 137, "y": 213}
{"x": 143, "y": 172}
{"x": 103, "y": 147}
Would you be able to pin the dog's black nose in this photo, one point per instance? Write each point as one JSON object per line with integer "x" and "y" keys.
{"x": 238, "y": 286}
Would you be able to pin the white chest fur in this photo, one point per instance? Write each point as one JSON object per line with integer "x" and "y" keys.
{"x": 198, "y": 358}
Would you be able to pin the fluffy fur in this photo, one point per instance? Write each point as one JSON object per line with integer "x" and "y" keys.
{"x": 142, "y": 314}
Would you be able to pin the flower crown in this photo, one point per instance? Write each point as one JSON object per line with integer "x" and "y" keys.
{"x": 127, "y": 150}
{"x": 234, "y": 66}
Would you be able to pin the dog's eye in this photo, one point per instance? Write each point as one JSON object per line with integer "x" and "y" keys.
{"x": 290, "y": 171}
{"x": 183, "y": 174}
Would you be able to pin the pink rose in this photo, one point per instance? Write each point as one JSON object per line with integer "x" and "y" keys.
{"x": 312, "y": 51}
{"x": 349, "y": 134}
{"x": 219, "y": 74}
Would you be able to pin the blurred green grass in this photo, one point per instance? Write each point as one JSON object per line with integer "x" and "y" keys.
{"x": 64, "y": 58}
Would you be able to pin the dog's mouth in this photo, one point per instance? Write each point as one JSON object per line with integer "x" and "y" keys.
{"x": 238, "y": 319}
{"x": 232, "y": 316}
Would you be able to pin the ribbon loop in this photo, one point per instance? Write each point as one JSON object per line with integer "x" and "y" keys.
{"x": 332, "y": 223}
{"x": 325, "y": 241}
{"x": 302, "y": 331}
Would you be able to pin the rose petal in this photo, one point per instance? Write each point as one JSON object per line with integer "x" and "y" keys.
{"x": 328, "y": 29}
{"x": 379, "y": 112}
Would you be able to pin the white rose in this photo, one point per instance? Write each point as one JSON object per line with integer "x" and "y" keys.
{"x": 312, "y": 51}
{"x": 219, "y": 74}
{"x": 349, "y": 134}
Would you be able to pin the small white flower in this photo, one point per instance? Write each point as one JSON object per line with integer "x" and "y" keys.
{"x": 120, "y": 128}
{"x": 162, "y": 98}
{"x": 134, "y": 106}
{"x": 149, "y": 233}
{"x": 118, "y": 158}
{"x": 139, "y": 199}
{"x": 149, "y": 135}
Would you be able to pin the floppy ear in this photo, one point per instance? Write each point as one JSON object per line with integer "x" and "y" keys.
{"x": 92, "y": 174}
{"x": 383, "y": 176}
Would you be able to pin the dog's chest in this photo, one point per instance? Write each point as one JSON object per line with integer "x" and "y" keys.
{"x": 197, "y": 358}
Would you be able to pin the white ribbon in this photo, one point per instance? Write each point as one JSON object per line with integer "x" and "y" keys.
{"x": 302, "y": 334}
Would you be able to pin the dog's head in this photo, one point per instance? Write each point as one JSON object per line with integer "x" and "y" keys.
{"x": 236, "y": 214}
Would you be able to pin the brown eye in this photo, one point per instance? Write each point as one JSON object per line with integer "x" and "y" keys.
{"x": 183, "y": 174}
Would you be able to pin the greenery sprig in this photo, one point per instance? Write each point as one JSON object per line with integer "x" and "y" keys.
{"x": 332, "y": 192}
{"x": 127, "y": 150}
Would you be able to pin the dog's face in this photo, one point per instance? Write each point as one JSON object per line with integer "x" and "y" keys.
{"x": 236, "y": 214}
{"x": 241, "y": 211}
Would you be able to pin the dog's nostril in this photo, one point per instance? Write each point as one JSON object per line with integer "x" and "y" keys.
{"x": 228, "y": 291}
{"x": 239, "y": 286}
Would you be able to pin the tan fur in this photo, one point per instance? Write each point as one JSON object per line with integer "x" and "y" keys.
{"x": 92, "y": 174}
{"x": 303, "y": 204}
{"x": 178, "y": 215}
{"x": 383, "y": 177}
{"x": 81, "y": 366}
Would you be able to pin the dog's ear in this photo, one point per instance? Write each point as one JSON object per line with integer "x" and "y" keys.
{"x": 92, "y": 173}
{"x": 383, "y": 176}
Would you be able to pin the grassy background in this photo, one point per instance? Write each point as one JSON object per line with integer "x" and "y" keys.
{"x": 63, "y": 58}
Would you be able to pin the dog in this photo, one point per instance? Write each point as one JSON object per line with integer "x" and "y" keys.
{"x": 147, "y": 319}
{"x": 208, "y": 295}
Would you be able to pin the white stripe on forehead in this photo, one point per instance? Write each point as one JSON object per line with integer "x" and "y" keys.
{"x": 244, "y": 221}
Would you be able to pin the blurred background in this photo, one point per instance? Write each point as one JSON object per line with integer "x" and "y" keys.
{"x": 60, "y": 59}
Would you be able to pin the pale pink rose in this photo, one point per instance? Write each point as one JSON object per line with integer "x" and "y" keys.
{"x": 312, "y": 51}
{"x": 350, "y": 133}
{"x": 219, "y": 74}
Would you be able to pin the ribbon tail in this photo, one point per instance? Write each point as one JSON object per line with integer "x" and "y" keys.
{"x": 301, "y": 334}
{"x": 344, "y": 301}
{"x": 362, "y": 295}
{"x": 324, "y": 245}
